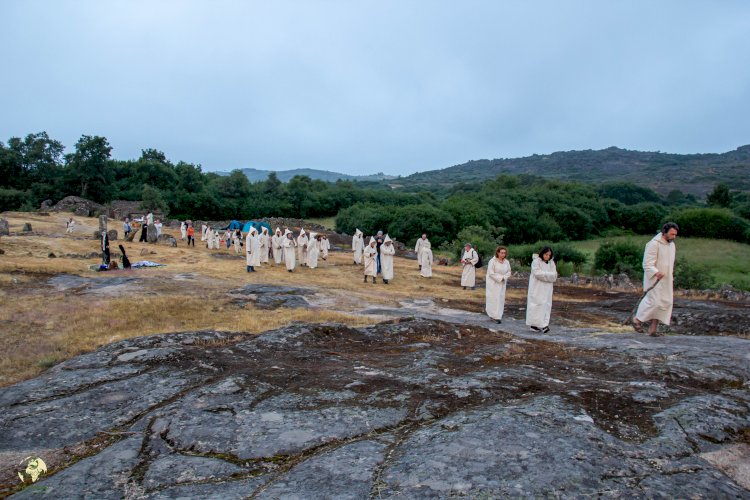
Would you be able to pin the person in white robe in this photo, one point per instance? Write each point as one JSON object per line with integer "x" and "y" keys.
{"x": 313, "y": 251}
{"x": 252, "y": 247}
{"x": 539, "y": 299}
{"x": 325, "y": 246}
{"x": 422, "y": 243}
{"x": 370, "y": 257}
{"x": 237, "y": 239}
{"x": 214, "y": 239}
{"x": 425, "y": 257}
{"x": 658, "y": 272}
{"x": 158, "y": 226}
{"x": 265, "y": 242}
{"x": 302, "y": 241}
{"x": 289, "y": 244}
{"x": 358, "y": 246}
{"x": 183, "y": 230}
{"x": 204, "y": 230}
{"x": 277, "y": 241}
{"x": 70, "y": 225}
{"x": 387, "y": 251}
{"x": 498, "y": 274}
{"x": 469, "y": 273}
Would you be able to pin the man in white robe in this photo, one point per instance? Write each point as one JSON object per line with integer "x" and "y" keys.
{"x": 313, "y": 250}
{"x": 289, "y": 244}
{"x": 237, "y": 239}
{"x": 370, "y": 257}
{"x": 204, "y": 230}
{"x": 325, "y": 246}
{"x": 183, "y": 230}
{"x": 252, "y": 246}
{"x": 422, "y": 243}
{"x": 469, "y": 273}
{"x": 387, "y": 251}
{"x": 358, "y": 246}
{"x": 539, "y": 298}
{"x": 498, "y": 274}
{"x": 265, "y": 242}
{"x": 302, "y": 241}
{"x": 277, "y": 241}
{"x": 658, "y": 272}
{"x": 425, "y": 257}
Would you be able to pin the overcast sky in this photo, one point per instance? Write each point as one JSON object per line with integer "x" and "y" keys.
{"x": 367, "y": 86}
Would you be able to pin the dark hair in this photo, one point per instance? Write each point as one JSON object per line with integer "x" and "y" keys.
{"x": 497, "y": 251}
{"x": 544, "y": 250}
{"x": 669, "y": 225}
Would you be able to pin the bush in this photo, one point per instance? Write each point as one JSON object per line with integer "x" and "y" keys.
{"x": 482, "y": 239}
{"x": 719, "y": 223}
{"x": 692, "y": 276}
{"x": 367, "y": 217}
{"x": 619, "y": 257}
{"x": 643, "y": 218}
{"x": 13, "y": 199}
{"x": 411, "y": 221}
{"x": 563, "y": 252}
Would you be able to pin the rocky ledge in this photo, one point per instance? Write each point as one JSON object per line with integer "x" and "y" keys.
{"x": 405, "y": 409}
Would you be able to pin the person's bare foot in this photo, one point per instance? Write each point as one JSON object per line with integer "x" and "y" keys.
{"x": 637, "y": 325}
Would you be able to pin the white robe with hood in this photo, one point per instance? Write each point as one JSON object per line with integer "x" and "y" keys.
{"x": 204, "y": 229}
{"x": 183, "y": 231}
{"x": 469, "y": 274}
{"x": 371, "y": 255}
{"x": 252, "y": 246}
{"x": 288, "y": 245}
{"x": 302, "y": 241}
{"x": 313, "y": 251}
{"x": 498, "y": 274}
{"x": 386, "y": 258}
{"x": 325, "y": 247}
{"x": 539, "y": 298}
{"x": 264, "y": 246}
{"x": 358, "y": 246}
{"x": 658, "y": 257}
{"x": 420, "y": 246}
{"x": 276, "y": 246}
{"x": 425, "y": 259}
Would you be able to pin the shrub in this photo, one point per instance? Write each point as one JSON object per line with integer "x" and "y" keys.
{"x": 563, "y": 252}
{"x": 12, "y": 199}
{"x": 692, "y": 276}
{"x": 619, "y": 257}
{"x": 643, "y": 218}
{"x": 411, "y": 221}
{"x": 368, "y": 217}
{"x": 482, "y": 239}
{"x": 718, "y": 223}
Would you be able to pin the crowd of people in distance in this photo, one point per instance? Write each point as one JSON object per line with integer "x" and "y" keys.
{"x": 376, "y": 258}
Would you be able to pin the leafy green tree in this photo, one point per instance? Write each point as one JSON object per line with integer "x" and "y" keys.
{"x": 619, "y": 257}
{"x": 88, "y": 168}
{"x": 719, "y": 197}
{"x": 718, "y": 223}
{"x": 411, "y": 221}
{"x": 152, "y": 199}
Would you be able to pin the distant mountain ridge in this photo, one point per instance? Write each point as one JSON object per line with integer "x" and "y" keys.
{"x": 255, "y": 175}
{"x": 696, "y": 174}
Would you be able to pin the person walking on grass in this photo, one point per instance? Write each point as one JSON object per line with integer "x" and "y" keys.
{"x": 422, "y": 244}
{"x": 498, "y": 273}
{"x": 658, "y": 275}
{"x": 469, "y": 273}
{"x": 302, "y": 242}
{"x": 370, "y": 256}
{"x": 70, "y": 225}
{"x": 387, "y": 251}
{"x": 277, "y": 246}
{"x": 252, "y": 246}
{"x": 289, "y": 244}
{"x": 191, "y": 235}
{"x": 539, "y": 299}
{"x": 358, "y": 246}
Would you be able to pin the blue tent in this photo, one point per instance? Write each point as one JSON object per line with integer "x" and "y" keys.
{"x": 258, "y": 225}
{"x": 235, "y": 224}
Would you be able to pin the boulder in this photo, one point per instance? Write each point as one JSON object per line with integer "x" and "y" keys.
{"x": 112, "y": 233}
{"x": 27, "y": 227}
{"x": 166, "y": 239}
{"x": 151, "y": 236}
{"x": 79, "y": 206}
{"x": 4, "y": 228}
{"x": 51, "y": 255}
{"x": 46, "y": 205}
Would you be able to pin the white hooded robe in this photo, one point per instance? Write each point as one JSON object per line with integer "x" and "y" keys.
{"x": 313, "y": 251}
{"x": 325, "y": 247}
{"x": 498, "y": 274}
{"x": 252, "y": 246}
{"x": 289, "y": 244}
{"x": 469, "y": 273}
{"x": 183, "y": 231}
{"x": 539, "y": 298}
{"x": 264, "y": 245}
{"x": 425, "y": 258}
{"x": 371, "y": 255}
{"x": 387, "y": 251}
{"x": 658, "y": 257}
{"x": 276, "y": 246}
{"x": 358, "y": 246}
{"x": 302, "y": 241}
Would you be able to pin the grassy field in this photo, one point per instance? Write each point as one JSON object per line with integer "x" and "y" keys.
{"x": 729, "y": 261}
{"x": 326, "y": 222}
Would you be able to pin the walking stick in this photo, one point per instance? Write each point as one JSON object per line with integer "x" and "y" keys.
{"x": 632, "y": 313}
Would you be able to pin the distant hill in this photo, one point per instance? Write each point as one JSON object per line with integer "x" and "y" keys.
{"x": 696, "y": 174}
{"x": 255, "y": 175}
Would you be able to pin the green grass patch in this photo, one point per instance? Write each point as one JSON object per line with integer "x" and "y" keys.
{"x": 327, "y": 222}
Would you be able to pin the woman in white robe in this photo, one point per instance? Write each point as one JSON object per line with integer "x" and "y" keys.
{"x": 387, "y": 251}
{"x": 421, "y": 242}
{"x": 183, "y": 230}
{"x": 252, "y": 246}
{"x": 276, "y": 246}
{"x": 265, "y": 241}
{"x": 658, "y": 265}
{"x": 204, "y": 230}
{"x": 469, "y": 273}
{"x": 358, "y": 246}
{"x": 425, "y": 258}
{"x": 498, "y": 273}
{"x": 539, "y": 298}
{"x": 289, "y": 244}
{"x": 313, "y": 251}
{"x": 370, "y": 256}
{"x": 302, "y": 241}
{"x": 237, "y": 239}
{"x": 325, "y": 246}
{"x": 217, "y": 239}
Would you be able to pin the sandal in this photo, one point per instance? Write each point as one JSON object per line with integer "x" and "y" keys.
{"x": 545, "y": 329}
{"x": 637, "y": 326}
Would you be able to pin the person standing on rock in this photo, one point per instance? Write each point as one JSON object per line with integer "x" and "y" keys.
{"x": 252, "y": 246}
{"x": 325, "y": 246}
{"x": 277, "y": 242}
{"x": 265, "y": 242}
{"x": 191, "y": 235}
{"x": 658, "y": 275}
{"x": 469, "y": 273}
{"x": 422, "y": 244}
{"x": 358, "y": 246}
{"x": 498, "y": 273}
{"x": 539, "y": 299}
{"x": 387, "y": 251}
{"x": 371, "y": 255}
{"x": 289, "y": 244}
{"x": 183, "y": 230}
{"x": 302, "y": 242}
{"x": 313, "y": 251}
